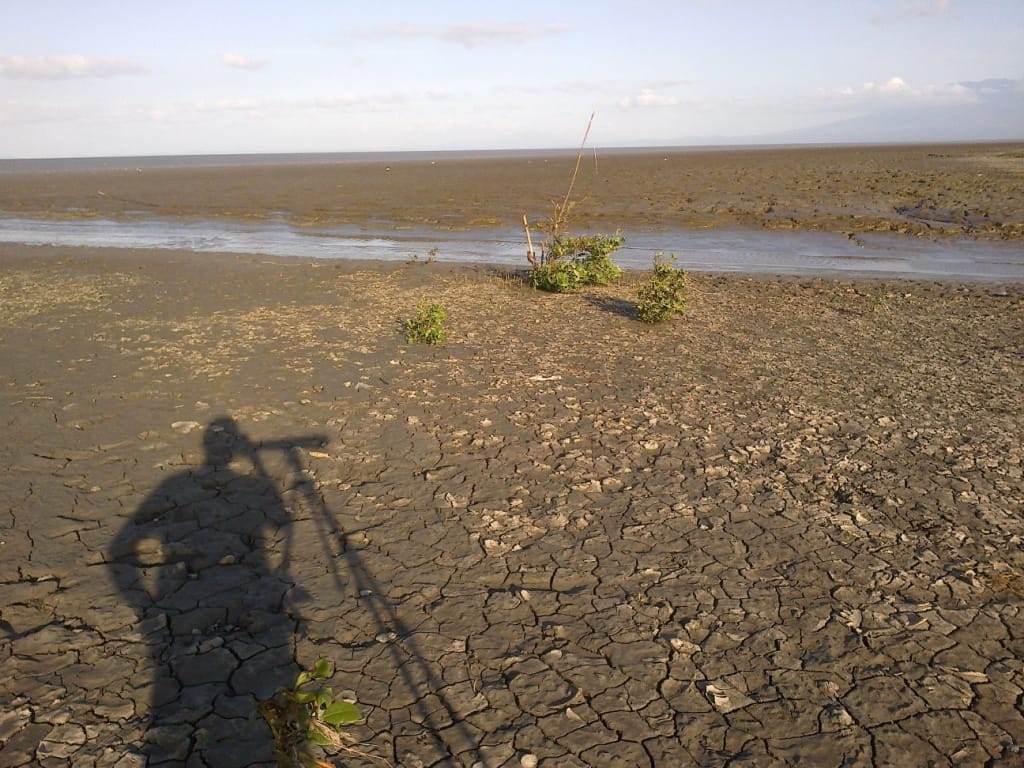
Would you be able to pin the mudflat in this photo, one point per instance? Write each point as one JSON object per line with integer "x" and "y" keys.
{"x": 783, "y": 529}
{"x": 928, "y": 191}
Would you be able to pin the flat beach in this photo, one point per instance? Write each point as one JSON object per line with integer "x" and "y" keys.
{"x": 784, "y": 529}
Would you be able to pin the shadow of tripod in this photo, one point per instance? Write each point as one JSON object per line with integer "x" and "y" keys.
{"x": 415, "y": 673}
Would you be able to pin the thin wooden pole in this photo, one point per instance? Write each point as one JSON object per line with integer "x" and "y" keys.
{"x": 530, "y": 257}
{"x": 579, "y": 157}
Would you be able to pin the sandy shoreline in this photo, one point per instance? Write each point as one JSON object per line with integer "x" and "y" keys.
{"x": 787, "y": 526}
{"x": 923, "y": 191}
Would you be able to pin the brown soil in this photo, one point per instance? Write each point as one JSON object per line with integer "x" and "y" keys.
{"x": 931, "y": 191}
{"x": 783, "y": 529}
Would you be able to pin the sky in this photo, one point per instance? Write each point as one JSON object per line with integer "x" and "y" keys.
{"x": 102, "y": 78}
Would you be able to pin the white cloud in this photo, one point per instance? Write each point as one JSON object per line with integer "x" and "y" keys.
{"x": 892, "y": 85}
{"x": 915, "y": 10}
{"x": 20, "y": 112}
{"x": 241, "y": 62}
{"x": 469, "y": 35}
{"x": 65, "y": 67}
{"x": 231, "y": 105}
{"x": 647, "y": 97}
{"x": 896, "y": 91}
{"x": 358, "y": 102}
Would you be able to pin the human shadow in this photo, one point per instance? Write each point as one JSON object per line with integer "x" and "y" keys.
{"x": 200, "y": 563}
{"x": 204, "y": 562}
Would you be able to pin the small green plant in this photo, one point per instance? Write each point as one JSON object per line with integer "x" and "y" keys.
{"x": 878, "y": 302}
{"x": 307, "y": 719}
{"x": 567, "y": 263}
{"x": 664, "y": 294}
{"x": 427, "y": 327}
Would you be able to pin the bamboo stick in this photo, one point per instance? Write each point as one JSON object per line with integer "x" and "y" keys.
{"x": 530, "y": 256}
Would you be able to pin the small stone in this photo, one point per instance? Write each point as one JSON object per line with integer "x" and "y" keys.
{"x": 684, "y": 646}
{"x": 725, "y": 698}
{"x": 209, "y": 645}
{"x": 529, "y": 760}
{"x": 835, "y": 717}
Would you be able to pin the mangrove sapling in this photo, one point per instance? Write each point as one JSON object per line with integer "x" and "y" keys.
{"x": 427, "y": 326}
{"x": 572, "y": 262}
{"x": 664, "y": 295}
{"x": 307, "y": 720}
{"x": 568, "y": 262}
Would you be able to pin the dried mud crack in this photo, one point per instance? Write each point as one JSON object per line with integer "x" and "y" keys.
{"x": 785, "y": 529}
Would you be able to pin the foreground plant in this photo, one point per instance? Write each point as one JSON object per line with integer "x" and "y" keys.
{"x": 427, "y": 327}
{"x": 664, "y": 295}
{"x": 569, "y": 263}
{"x": 307, "y": 720}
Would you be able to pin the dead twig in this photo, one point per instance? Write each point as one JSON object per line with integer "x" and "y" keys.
{"x": 562, "y": 212}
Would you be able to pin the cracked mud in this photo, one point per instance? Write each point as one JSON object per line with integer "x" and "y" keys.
{"x": 786, "y": 529}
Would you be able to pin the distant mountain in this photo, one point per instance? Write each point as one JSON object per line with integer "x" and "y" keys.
{"x": 996, "y": 115}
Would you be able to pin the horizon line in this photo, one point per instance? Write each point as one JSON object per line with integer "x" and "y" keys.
{"x": 654, "y": 146}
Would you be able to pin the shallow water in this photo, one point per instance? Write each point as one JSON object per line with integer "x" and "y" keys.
{"x": 745, "y": 251}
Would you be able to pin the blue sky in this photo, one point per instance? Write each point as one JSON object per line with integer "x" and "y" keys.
{"x": 123, "y": 78}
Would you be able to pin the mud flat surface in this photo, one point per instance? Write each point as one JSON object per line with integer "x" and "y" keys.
{"x": 926, "y": 191}
{"x": 785, "y": 529}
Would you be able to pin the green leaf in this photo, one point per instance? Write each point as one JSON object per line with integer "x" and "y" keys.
{"x": 324, "y": 697}
{"x": 318, "y": 738}
{"x": 323, "y": 668}
{"x": 341, "y": 713}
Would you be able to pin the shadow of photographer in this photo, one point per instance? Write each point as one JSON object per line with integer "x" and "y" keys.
{"x": 205, "y": 563}
{"x": 200, "y": 564}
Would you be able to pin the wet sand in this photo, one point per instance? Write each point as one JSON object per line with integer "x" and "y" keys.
{"x": 928, "y": 191}
{"x": 786, "y": 528}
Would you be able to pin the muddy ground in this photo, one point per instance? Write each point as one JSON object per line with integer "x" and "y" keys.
{"x": 784, "y": 529}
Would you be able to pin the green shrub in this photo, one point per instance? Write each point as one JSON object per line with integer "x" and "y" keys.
{"x": 427, "y": 327}
{"x": 307, "y": 719}
{"x": 572, "y": 262}
{"x": 557, "y": 276}
{"x": 663, "y": 295}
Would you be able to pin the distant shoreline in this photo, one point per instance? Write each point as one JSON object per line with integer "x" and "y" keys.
{"x": 229, "y": 159}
